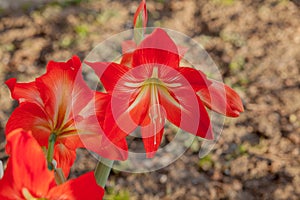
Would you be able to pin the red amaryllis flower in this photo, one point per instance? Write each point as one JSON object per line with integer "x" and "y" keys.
{"x": 60, "y": 104}
{"x": 27, "y": 177}
{"x": 154, "y": 88}
{"x": 217, "y": 96}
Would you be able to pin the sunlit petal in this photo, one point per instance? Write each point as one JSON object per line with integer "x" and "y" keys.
{"x": 156, "y": 48}
{"x": 78, "y": 189}
{"x": 56, "y": 88}
{"x": 196, "y": 78}
{"x": 24, "y": 92}
{"x": 108, "y": 73}
{"x": 26, "y": 167}
{"x": 30, "y": 117}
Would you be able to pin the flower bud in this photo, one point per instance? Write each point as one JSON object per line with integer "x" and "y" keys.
{"x": 140, "y": 22}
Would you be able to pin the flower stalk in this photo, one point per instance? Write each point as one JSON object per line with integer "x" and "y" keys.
{"x": 50, "y": 152}
{"x": 102, "y": 171}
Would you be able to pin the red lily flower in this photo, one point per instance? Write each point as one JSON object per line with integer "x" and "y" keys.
{"x": 217, "y": 96}
{"x": 27, "y": 176}
{"x": 59, "y": 102}
{"x": 154, "y": 89}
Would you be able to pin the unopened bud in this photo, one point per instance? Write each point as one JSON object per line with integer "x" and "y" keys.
{"x": 140, "y": 22}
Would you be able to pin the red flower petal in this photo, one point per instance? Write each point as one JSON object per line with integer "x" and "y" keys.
{"x": 115, "y": 134}
{"x": 128, "y": 47}
{"x": 26, "y": 168}
{"x": 156, "y": 48}
{"x": 222, "y": 99}
{"x": 112, "y": 149}
{"x": 127, "y": 59}
{"x": 98, "y": 136}
{"x": 24, "y": 92}
{"x": 196, "y": 78}
{"x": 65, "y": 157}
{"x": 187, "y": 113}
{"x": 108, "y": 73}
{"x": 151, "y": 144}
{"x": 78, "y": 189}
{"x": 57, "y": 89}
{"x": 108, "y": 143}
{"x": 30, "y": 116}
{"x": 152, "y": 129}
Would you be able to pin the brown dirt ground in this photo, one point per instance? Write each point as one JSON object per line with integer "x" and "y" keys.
{"x": 255, "y": 43}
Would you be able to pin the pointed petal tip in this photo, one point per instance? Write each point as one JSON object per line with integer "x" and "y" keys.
{"x": 11, "y": 84}
{"x": 235, "y": 109}
{"x": 222, "y": 99}
{"x": 209, "y": 135}
{"x": 157, "y": 48}
{"x": 236, "y": 113}
{"x": 73, "y": 63}
{"x": 150, "y": 154}
{"x": 97, "y": 65}
{"x": 240, "y": 107}
{"x": 76, "y": 61}
{"x": 88, "y": 63}
{"x": 75, "y": 58}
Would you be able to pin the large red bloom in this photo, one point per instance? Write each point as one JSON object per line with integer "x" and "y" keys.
{"x": 27, "y": 177}
{"x": 59, "y": 102}
{"x": 154, "y": 89}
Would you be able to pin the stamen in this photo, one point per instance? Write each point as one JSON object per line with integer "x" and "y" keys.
{"x": 173, "y": 85}
{"x": 27, "y": 194}
{"x": 154, "y": 111}
{"x": 133, "y": 85}
{"x": 155, "y": 72}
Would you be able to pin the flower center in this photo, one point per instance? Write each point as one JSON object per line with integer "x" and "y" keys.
{"x": 153, "y": 82}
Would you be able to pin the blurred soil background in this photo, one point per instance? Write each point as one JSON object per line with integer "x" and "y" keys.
{"x": 256, "y": 45}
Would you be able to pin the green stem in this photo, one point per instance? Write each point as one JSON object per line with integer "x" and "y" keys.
{"x": 50, "y": 152}
{"x": 102, "y": 171}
